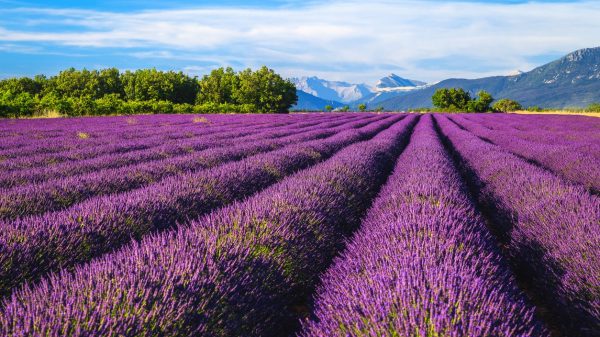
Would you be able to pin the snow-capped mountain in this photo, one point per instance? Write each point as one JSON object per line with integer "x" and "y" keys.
{"x": 515, "y": 73}
{"x": 332, "y": 90}
{"x": 571, "y": 81}
{"x": 394, "y": 82}
{"x": 391, "y": 86}
{"x": 354, "y": 94}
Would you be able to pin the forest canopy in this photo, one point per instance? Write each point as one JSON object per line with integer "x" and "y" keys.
{"x": 108, "y": 91}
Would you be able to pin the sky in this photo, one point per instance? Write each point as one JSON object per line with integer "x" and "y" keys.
{"x": 355, "y": 41}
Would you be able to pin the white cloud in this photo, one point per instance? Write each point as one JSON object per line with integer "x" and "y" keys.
{"x": 351, "y": 40}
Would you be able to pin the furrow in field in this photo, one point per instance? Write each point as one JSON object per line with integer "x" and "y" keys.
{"x": 581, "y": 166}
{"x": 59, "y": 194}
{"x": 66, "y": 131}
{"x": 242, "y": 271}
{"x": 162, "y": 151}
{"x": 31, "y": 247}
{"x": 26, "y": 162}
{"x": 423, "y": 262}
{"x": 550, "y": 227}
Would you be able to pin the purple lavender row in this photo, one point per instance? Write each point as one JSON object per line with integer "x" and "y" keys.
{"x": 70, "y": 139}
{"x": 80, "y": 148}
{"x": 550, "y": 123}
{"x": 551, "y": 228}
{"x": 242, "y": 271}
{"x": 16, "y": 129}
{"x": 422, "y": 263}
{"x": 577, "y": 166}
{"x": 113, "y": 147}
{"x": 162, "y": 151}
{"x": 24, "y": 134}
{"x": 586, "y": 142}
{"x": 578, "y": 134}
{"x": 31, "y": 170}
{"x": 53, "y": 124}
{"x": 59, "y": 194}
{"x": 16, "y": 133}
{"x": 89, "y": 140}
{"x": 32, "y": 247}
{"x": 68, "y": 135}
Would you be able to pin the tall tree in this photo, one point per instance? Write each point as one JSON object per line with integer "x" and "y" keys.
{"x": 453, "y": 99}
{"x": 155, "y": 85}
{"x": 506, "y": 105}
{"x": 218, "y": 86}
{"x": 266, "y": 90}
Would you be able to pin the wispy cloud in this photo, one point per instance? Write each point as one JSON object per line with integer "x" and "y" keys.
{"x": 352, "y": 40}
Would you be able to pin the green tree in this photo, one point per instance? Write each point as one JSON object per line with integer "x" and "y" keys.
{"x": 328, "y": 108}
{"x": 265, "y": 90}
{"x": 453, "y": 99}
{"x": 16, "y": 105}
{"x": 21, "y": 85}
{"x": 535, "y": 108}
{"x": 218, "y": 86}
{"x": 81, "y": 106}
{"x": 482, "y": 103}
{"x": 75, "y": 83}
{"x": 506, "y": 105}
{"x": 594, "y": 107}
{"x": 362, "y": 107}
{"x": 109, "y": 105}
{"x": 154, "y": 85}
{"x": 98, "y": 92}
{"x": 52, "y": 102}
{"x": 345, "y": 108}
{"x": 110, "y": 83}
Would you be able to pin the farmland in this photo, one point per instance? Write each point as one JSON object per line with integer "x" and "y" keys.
{"x": 324, "y": 224}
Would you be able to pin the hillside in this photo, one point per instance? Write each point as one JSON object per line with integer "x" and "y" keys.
{"x": 309, "y": 102}
{"x": 337, "y": 93}
{"x": 571, "y": 81}
{"x": 332, "y": 90}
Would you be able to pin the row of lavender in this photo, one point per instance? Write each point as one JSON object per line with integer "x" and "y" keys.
{"x": 141, "y": 150}
{"x": 577, "y": 160}
{"x": 82, "y": 145}
{"x": 423, "y": 262}
{"x": 34, "y": 246}
{"x": 247, "y": 269}
{"x": 59, "y": 135}
{"x": 120, "y": 173}
{"x": 544, "y": 128}
{"x": 550, "y": 228}
{"x": 17, "y": 131}
{"x": 165, "y": 145}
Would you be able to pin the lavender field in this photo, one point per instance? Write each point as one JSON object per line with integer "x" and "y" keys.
{"x": 332, "y": 224}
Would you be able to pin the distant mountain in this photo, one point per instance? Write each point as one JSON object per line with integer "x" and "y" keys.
{"x": 309, "y": 102}
{"x": 571, "y": 81}
{"x": 390, "y": 87}
{"x": 393, "y": 82}
{"x": 350, "y": 93}
{"x": 332, "y": 90}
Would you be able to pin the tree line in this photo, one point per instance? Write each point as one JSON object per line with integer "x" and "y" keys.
{"x": 108, "y": 91}
{"x": 459, "y": 100}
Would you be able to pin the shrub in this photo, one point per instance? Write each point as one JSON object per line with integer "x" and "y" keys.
{"x": 594, "y": 107}
{"x": 506, "y": 105}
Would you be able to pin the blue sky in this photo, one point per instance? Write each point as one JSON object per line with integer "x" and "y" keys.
{"x": 356, "y": 41}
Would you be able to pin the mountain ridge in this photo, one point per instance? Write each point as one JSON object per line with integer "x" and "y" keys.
{"x": 570, "y": 81}
{"x": 339, "y": 93}
{"x": 308, "y": 102}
